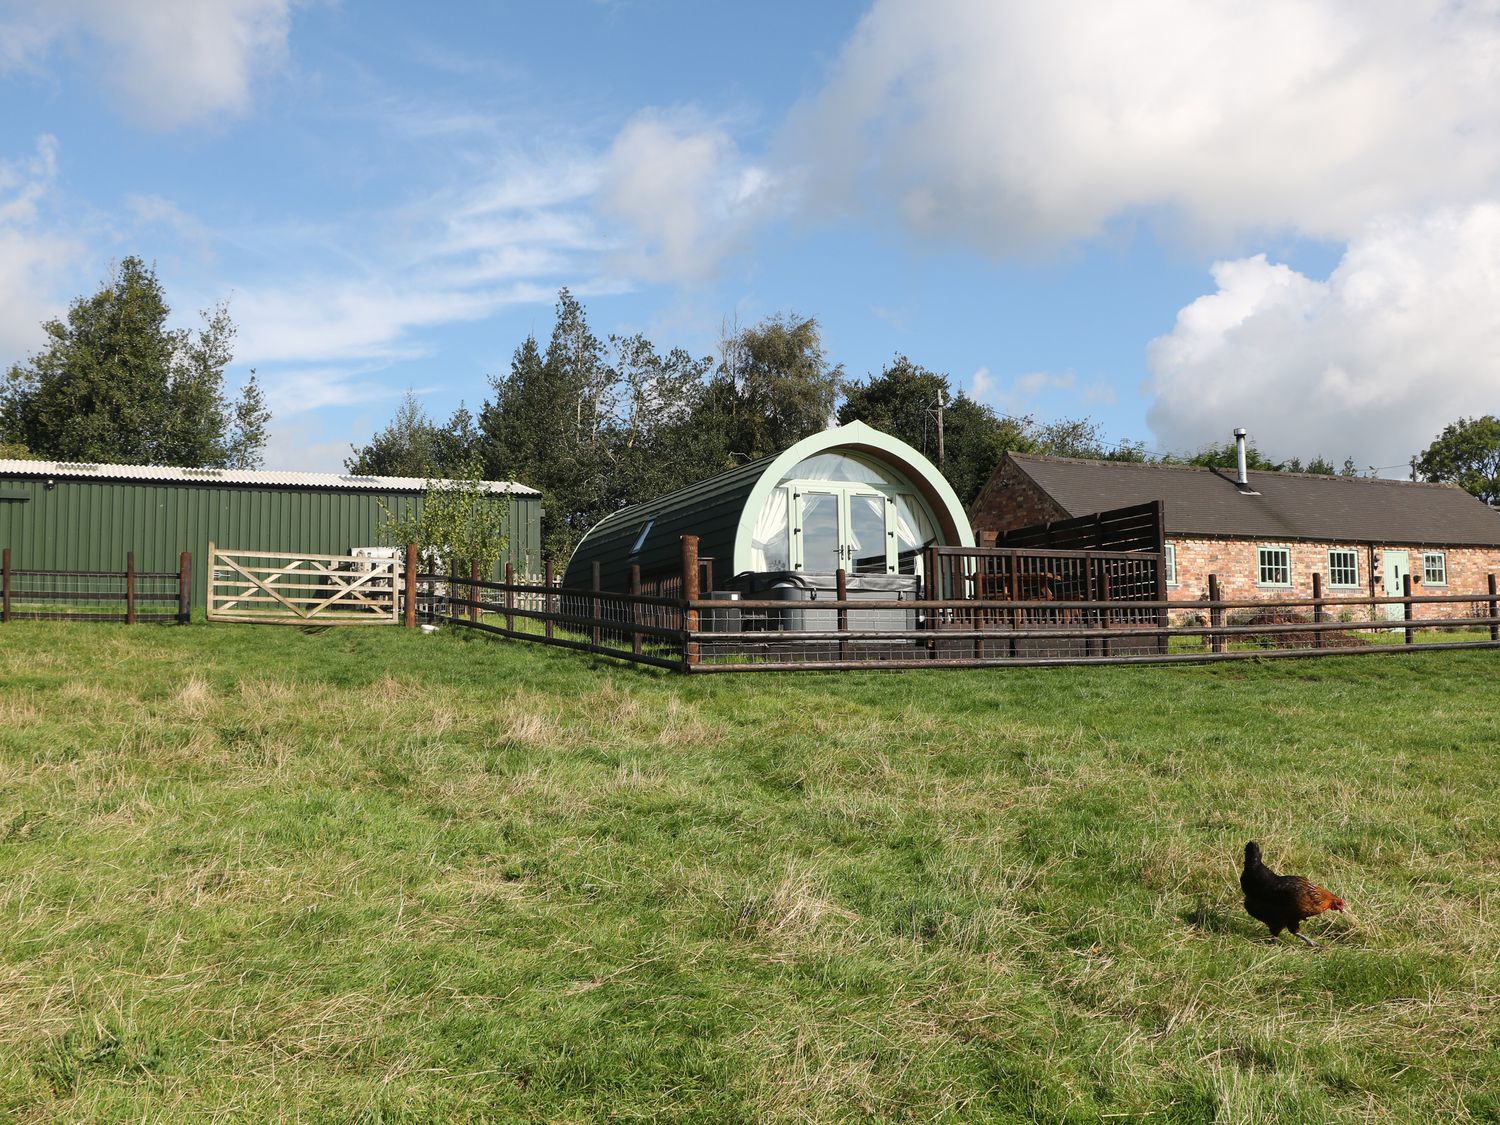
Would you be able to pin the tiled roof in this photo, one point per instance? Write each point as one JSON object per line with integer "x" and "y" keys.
{"x": 1198, "y": 501}
{"x": 254, "y": 477}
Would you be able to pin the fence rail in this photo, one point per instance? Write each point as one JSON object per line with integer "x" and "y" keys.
{"x": 1123, "y": 622}
{"x": 87, "y": 595}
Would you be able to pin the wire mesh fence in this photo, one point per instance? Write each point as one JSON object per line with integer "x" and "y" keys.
{"x": 130, "y": 596}
{"x": 724, "y": 633}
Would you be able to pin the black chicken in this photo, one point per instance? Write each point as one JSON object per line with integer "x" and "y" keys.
{"x": 1282, "y": 902}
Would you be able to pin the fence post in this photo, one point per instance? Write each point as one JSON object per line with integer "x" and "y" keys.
{"x": 510, "y": 597}
{"x": 410, "y": 585}
{"x": 635, "y": 608}
{"x": 208, "y": 582}
{"x": 1406, "y": 593}
{"x": 1107, "y": 616}
{"x": 596, "y": 605}
{"x": 475, "y": 593}
{"x": 184, "y": 588}
{"x": 1494, "y": 625}
{"x": 841, "y": 592}
{"x": 547, "y": 599}
{"x": 5, "y": 587}
{"x": 1215, "y": 614}
{"x": 130, "y": 587}
{"x": 691, "y": 653}
{"x": 1318, "y": 615}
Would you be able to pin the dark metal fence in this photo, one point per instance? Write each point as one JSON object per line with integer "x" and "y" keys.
{"x": 984, "y": 608}
{"x": 130, "y": 596}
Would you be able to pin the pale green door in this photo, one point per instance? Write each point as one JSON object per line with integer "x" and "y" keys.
{"x": 1397, "y": 566}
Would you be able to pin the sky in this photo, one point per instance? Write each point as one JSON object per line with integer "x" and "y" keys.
{"x": 1173, "y": 216}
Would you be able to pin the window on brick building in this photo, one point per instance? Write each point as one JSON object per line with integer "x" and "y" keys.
{"x": 1343, "y": 568}
{"x": 1274, "y": 566}
{"x": 1171, "y": 564}
{"x": 1434, "y": 569}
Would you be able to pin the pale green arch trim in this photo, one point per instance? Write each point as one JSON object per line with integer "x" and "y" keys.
{"x": 953, "y": 524}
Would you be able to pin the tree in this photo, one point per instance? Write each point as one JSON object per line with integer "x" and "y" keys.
{"x": 115, "y": 384}
{"x": 902, "y": 401}
{"x": 551, "y": 425}
{"x": 460, "y": 521}
{"x": 15, "y": 451}
{"x": 1080, "y": 437}
{"x": 659, "y": 443}
{"x": 412, "y": 445}
{"x": 1466, "y": 453}
{"x": 774, "y": 385}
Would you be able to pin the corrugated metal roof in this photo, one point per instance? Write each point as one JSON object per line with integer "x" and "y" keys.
{"x": 257, "y": 478}
{"x": 1199, "y": 501}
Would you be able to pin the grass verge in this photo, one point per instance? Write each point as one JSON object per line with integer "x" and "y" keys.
{"x": 254, "y": 873}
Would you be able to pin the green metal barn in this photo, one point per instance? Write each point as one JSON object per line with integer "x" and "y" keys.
{"x": 67, "y": 516}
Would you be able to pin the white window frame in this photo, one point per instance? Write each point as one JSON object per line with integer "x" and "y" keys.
{"x": 1354, "y": 567}
{"x": 1260, "y": 567}
{"x": 1441, "y": 568}
{"x": 1170, "y": 562}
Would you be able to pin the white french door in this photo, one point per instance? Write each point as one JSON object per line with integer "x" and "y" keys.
{"x": 849, "y": 528}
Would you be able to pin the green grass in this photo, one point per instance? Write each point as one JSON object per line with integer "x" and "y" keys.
{"x": 250, "y": 873}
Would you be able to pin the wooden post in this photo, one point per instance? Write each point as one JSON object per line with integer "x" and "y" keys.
{"x": 208, "y": 580}
{"x": 1104, "y": 621}
{"x": 708, "y": 574}
{"x": 130, "y": 587}
{"x": 691, "y": 652}
{"x": 1318, "y": 615}
{"x": 1215, "y": 614}
{"x": 1163, "y": 617}
{"x": 1494, "y": 626}
{"x": 474, "y": 591}
{"x": 510, "y": 596}
{"x": 841, "y": 591}
{"x": 1406, "y": 593}
{"x": 1013, "y": 593}
{"x": 635, "y": 609}
{"x": 547, "y": 598}
{"x": 596, "y": 605}
{"x": 409, "y": 583}
{"x": 5, "y": 587}
{"x": 184, "y": 588}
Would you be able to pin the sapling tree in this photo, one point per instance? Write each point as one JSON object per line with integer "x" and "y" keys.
{"x": 459, "y": 522}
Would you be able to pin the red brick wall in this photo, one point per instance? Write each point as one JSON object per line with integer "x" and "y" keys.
{"x": 1235, "y": 561}
{"x": 1009, "y": 500}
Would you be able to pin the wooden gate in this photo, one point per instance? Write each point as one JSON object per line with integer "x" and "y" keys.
{"x": 286, "y": 588}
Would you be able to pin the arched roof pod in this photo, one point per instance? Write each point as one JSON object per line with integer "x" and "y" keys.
{"x": 857, "y": 438}
{"x": 723, "y": 511}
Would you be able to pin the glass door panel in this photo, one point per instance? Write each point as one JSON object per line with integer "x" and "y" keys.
{"x": 868, "y": 541}
{"x": 821, "y": 542}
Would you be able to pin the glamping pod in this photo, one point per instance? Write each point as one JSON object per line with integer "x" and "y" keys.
{"x": 850, "y": 497}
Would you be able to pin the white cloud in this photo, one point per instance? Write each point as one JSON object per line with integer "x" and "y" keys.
{"x": 174, "y": 61}
{"x": 1401, "y": 339}
{"x": 1016, "y": 124}
{"x": 295, "y": 391}
{"x": 318, "y": 319}
{"x": 684, "y": 191}
{"x": 34, "y": 259}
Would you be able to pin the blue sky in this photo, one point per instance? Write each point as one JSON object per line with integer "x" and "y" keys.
{"x": 1173, "y": 217}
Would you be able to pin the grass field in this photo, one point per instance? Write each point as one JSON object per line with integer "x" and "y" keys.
{"x": 254, "y": 873}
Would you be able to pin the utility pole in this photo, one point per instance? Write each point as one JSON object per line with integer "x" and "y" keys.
{"x": 1414, "y": 468}
{"x": 940, "y": 397}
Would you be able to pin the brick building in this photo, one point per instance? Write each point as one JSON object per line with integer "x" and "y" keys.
{"x": 1267, "y": 536}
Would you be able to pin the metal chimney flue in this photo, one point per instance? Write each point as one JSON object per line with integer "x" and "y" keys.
{"x": 1239, "y": 448}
